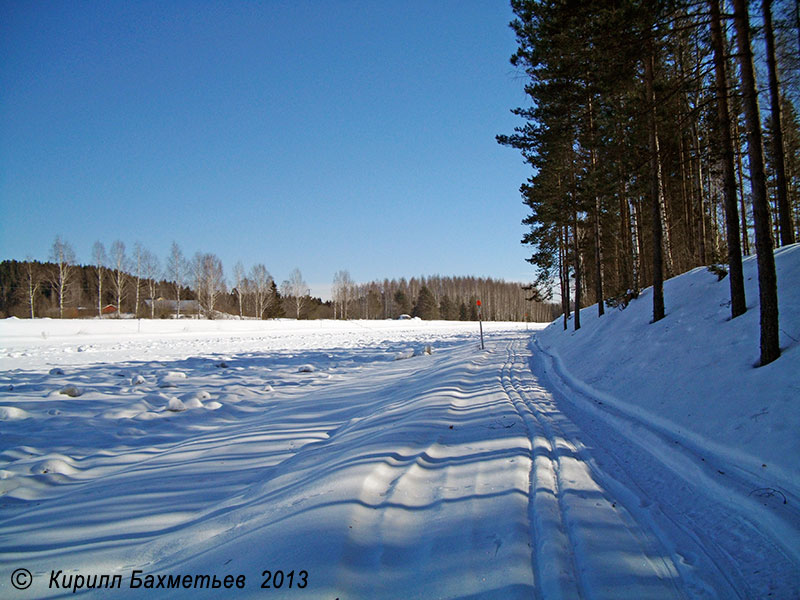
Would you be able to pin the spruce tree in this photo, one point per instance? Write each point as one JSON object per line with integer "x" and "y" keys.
{"x": 425, "y": 306}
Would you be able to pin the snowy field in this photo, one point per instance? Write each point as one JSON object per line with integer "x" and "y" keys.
{"x": 395, "y": 459}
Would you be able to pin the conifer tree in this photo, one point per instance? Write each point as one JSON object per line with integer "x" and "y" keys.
{"x": 425, "y": 306}
{"x": 767, "y": 280}
{"x": 736, "y": 277}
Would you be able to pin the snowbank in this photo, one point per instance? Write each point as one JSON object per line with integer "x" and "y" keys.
{"x": 694, "y": 373}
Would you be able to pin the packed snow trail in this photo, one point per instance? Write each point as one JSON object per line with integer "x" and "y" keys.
{"x": 461, "y": 474}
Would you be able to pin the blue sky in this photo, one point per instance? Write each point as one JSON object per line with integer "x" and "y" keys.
{"x": 319, "y": 135}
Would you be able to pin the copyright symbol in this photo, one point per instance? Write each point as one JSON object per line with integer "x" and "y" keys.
{"x": 21, "y": 579}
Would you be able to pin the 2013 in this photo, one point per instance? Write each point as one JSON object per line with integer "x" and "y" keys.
{"x": 277, "y": 579}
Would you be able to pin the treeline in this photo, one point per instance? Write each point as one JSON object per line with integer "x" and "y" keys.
{"x": 120, "y": 283}
{"x": 437, "y": 297}
{"x": 134, "y": 284}
{"x": 650, "y": 154}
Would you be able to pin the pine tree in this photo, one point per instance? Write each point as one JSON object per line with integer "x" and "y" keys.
{"x": 781, "y": 189}
{"x": 767, "y": 281}
{"x": 736, "y": 277}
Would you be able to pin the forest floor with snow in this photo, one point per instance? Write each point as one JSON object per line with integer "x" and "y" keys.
{"x": 396, "y": 459}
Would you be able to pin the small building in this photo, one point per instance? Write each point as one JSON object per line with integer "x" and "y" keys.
{"x": 169, "y": 307}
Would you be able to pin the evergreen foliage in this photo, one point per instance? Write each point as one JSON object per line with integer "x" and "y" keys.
{"x": 625, "y": 137}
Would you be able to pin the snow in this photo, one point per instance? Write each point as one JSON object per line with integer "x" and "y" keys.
{"x": 693, "y": 373}
{"x": 621, "y": 461}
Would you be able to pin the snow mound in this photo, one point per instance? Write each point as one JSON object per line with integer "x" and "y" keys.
{"x": 12, "y": 413}
{"x": 54, "y": 466}
{"x": 306, "y": 369}
{"x": 404, "y": 354}
{"x": 176, "y": 405}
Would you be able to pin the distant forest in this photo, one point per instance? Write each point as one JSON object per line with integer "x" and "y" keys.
{"x": 121, "y": 286}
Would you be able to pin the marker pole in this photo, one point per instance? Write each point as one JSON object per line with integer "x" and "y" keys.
{"x": 480, "y": 323}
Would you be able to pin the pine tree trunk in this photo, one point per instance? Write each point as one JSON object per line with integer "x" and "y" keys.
{"x": 701, "y": 224}
{"x": 687, "y": 205}
{"x": 563, "y": 267}
{"x": 624, "y": 239}
{"x": 655, "y": 203}
{"x": 738, "y": 304}
{"x": 782, "y": 196}
{"x": 636, "y": 248}
{"x": 598, "y": 247}
{"x": 767, "y": 281}
{"x": 740, "y": 177}
{"x": 577, "y": 267}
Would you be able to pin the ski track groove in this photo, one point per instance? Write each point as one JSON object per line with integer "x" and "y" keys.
{"x": 684, "y": 513}
{"x": 552, "y": 568}
{"x": 570, "y": 457}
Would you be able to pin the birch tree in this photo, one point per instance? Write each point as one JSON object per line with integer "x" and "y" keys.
{"x": 261, "y": 286}
{"x": 238, "y": 284}
{"x": 33, "y": 279}
{"x": 100, "y": 261}
{"x": 209, "y": 281}
{"x": 119, "y": 275}
{"x": 296, "y": 288}
{"x": 136, "y": 264}
{"x": 342, "y": 292}
{"x": 151, "y": 268}
{"x": 63, "y": 257}
{"x": 177, "y": 271}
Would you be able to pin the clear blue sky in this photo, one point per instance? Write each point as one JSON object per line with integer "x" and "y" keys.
{"x": 325, "y": 135}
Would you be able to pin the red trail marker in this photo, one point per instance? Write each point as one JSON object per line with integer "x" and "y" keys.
{"x": 480, "y": 323}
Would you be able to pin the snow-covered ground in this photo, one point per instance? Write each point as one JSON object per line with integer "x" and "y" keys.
{"x": 395, "y": 459}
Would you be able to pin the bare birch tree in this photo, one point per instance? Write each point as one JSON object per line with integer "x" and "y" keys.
{"x": 150, "y": 271}
{"x": 63, "y": 256}
{"x": 119, "y": 275}
{"x": 177, "y": 271}
{"x": 136, "y": 263}
{"x": 262, "y": 284}
{"x": 100, "y": 260}
{"x": 296, "y": 288}
{"x": 238, "y": 282}
{"x": 342, "y": 292}
{"x": 34, "y": 282}
{"x": 209, "y": 281}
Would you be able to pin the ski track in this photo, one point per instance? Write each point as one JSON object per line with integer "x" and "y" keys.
{"x": 710, "y": 546}
{"x": 466, "y": 474}
{"x": 606, "y": 515}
